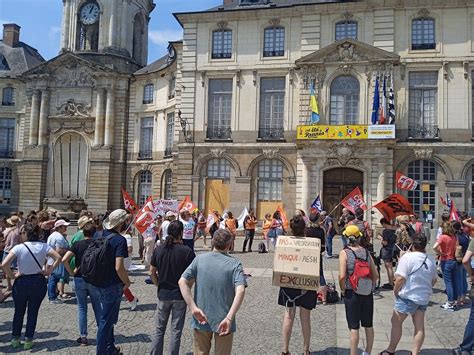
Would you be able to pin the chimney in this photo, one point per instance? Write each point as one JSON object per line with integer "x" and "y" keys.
{"x": 228, "y": 2}
{"x": 11, "y": 34}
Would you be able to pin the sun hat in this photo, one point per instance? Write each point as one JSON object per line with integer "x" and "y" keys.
{"x": 352, "y": 231}
{"x": 13, "y": 220}
{"x": 115, "y": 218}
{"x": 170, "y": 214}
{"x": 403, "y": 219}
{"x": 83, "y": 221}
{"x": 60, "y": 222}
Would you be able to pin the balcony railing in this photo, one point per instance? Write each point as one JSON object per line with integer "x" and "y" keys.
{"x": 168, "y": 152}
{"x": 270, "y": 133}
{"x": 6, "y": 153}
{"x": 145, "y": 154}
{"x": 8, "y": 103}
{"x": 423, "y": 132}
{"x": 219, "y": 133}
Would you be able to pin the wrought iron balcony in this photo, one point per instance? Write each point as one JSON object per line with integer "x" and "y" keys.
{"x": 168, "y": 152}
{"x": 145, "y": 154}
{"x": 423, "y": 132}
{"x": 218, "y": 133}
{"x": 6, "y": 153}
{"x": 8, "y": 103}
{"x": 271, "y": 133}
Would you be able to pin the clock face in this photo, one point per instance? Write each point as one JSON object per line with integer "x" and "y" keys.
{"x": 89, "y": 13}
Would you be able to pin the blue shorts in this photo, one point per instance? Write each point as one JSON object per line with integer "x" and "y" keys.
{"x": 405, "y": 306}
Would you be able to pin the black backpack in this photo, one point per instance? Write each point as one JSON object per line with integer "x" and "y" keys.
{"x": 261, "y": 248}
{"x": 96, "y": 261}
{"x": 331, "y": 294}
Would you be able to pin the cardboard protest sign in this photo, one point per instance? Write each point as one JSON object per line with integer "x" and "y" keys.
{"x": 296, "y": 262}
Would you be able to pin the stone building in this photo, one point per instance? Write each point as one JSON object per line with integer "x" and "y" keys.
{"x": 247, "y": 69}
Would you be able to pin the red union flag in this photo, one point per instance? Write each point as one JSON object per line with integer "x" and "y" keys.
{"x": 393, "y": 206}
{"x": 187, "y": 204}
{"x": 453, "y": 213}
{"x": 145, "y": 216}
{"x": 406, "y": 183}
{"x": 354, "y": 200}
{"x": 128, "y": 202}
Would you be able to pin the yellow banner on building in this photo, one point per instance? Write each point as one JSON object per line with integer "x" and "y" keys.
{"x": 346, "y": 132}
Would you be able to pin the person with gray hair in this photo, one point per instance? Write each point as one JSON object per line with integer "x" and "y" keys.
{"x": 218, "y": 293}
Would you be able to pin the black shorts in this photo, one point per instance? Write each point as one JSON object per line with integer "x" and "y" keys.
{"x": 386, "y": 254}
{"x": 359, "y": 310}
{"x": 290, "y": 297}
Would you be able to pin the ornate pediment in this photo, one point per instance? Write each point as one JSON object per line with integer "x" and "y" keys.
{"x": 347, "y": 51}
{"x": 71, "y": 108}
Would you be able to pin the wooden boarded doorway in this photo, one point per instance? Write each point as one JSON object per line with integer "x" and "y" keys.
{"x": 338, "y": 183}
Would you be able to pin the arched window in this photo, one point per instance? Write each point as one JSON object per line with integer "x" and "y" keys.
{"x": 222, "y": 44}
{"x": 423, "y": 34}
{"x": 346, "y": 29}
{"x": 137, "y": 54}
{"x": 218, "y": 168}
{"x": 423, "y": 199}
{"x": 144, "y": 186}
{"x": 5, "y": 185}
{"x": 167, "y": 185}
{"x": 344, "y": 100}
{"x": 274, "y": 41}
{"x": 8, "y": 96}
{"x": 270, "y": 180}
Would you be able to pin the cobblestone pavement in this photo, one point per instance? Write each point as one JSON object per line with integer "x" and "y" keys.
{"x": 258, "y": 321}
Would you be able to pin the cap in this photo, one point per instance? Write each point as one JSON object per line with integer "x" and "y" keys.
{"x": 83, "y": 221}
{"x": 352, "y": 231}
{"x": 60, "y": 222}
{"x": 170, "y": 214}
{"x": 115, "y": 218}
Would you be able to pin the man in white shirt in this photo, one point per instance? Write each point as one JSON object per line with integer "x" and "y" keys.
{"x": 169, "y": 217}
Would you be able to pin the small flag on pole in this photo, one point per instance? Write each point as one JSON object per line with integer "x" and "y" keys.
{"x": 383, "y": 111}
{"x": 316, "y": 205}
{"x": 314, "y": 106}
{"x": 453, "y": 214}
{"x": 406, "y": 183}
{"x": 376, "y": 105}
{"x": 391, "y": 103}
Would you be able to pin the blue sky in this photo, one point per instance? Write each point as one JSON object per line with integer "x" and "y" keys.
{"x": 40, "y": 22}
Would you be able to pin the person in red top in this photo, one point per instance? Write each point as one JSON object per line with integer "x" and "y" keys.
{"x": 250, "y": 222}
{"x": 445, "y": 247}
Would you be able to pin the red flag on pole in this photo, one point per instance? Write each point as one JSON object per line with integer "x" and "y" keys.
{"x": 128, "y": 202}
{"x": 187, "y": 204}
{"x": 284, "y": 219}
{"x": 405, "y": 183}
{"x": 393, "y": 206}
{"x": 453, "y": 214}
{"x": 354, "y": 200}
{"x": 145, "y": 216}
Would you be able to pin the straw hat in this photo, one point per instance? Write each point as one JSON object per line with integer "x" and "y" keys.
{"x": 115, "y": 218}
{"x": 13, "y": 220}
{"x": 403, "y": 219}
{"x": 83, "y": 221}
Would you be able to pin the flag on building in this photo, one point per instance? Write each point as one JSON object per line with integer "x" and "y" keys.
{"x": 314, "y": 106}
{"x": 145, "y": 216}
{"x": 393, "y": 206}
{"x": 405, "y": 183}
{"x": 453, "y": 213}
{"x": 354, "y": 200}
{"x": 316, "y": 205}
{"x": 128, "y": 202}
{"x": 376, "y": 105}
{"x": 383, "y": 111}
{"x": 391, "y": 103}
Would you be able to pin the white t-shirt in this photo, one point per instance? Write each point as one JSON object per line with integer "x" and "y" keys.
{"x": 418, "y": 286}
{"x": 438, "y": 233}
{"x": 26, "y": 263}
{"x": 164, "y": 229}
{"x": 128, "y": 261}
{"x": 188, "y": 228}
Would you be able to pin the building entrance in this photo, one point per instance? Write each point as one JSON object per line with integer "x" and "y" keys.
{"x": 338, "y": 183}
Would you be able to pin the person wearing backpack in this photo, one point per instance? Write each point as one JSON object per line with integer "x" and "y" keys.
{"x": 357, "y": 280}
{"x": 102, "y": 266}
{"x": 29, "y": 287}
{"x": 414, "y": 280}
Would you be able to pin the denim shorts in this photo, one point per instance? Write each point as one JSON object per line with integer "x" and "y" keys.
{"x": 405, "y": 306}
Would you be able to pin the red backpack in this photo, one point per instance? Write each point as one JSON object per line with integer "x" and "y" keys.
{"x": 361, "y": 277}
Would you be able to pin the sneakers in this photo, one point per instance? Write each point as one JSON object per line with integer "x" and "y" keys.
{"x": 28, "y": 345}
{"x": 82, "y": 341}
{"x": 133, "y": 304}
{"x": 15, "y": 343}
{"x": 448, "y": 307}
{"x": 56, "y": 301}
{"x": 387, "y": 286}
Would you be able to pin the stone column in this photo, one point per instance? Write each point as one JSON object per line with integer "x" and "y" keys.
{"x": 43, "y": 118}
{"x": 382, "y": 170}
{"x": 109, "y": 118}
{"x": 125, "y": 27}
{"x": 305, "y": 185}
{"x": 35, "y": 109}
{"x": 113, "y": 29}
{"x": 99, "y": 119}
{"x": 65, "y": 25}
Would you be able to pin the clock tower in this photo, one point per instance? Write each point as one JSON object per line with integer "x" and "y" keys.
{"x": 117, "y": 28}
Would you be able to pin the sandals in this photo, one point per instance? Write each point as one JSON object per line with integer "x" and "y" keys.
{"x": 386, "y": 352}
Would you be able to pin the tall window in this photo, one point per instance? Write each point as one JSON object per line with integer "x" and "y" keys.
{"x": 346, "y": 29}
{"x": 344, "y": 100}
{"x": 424, "y": 197}
{"x": 172, "y": 88}
{"x": 7, "y": 134}
{"x": 423, "y": 113}
{"x": 146, "y": 138}
{"x": 8, "y": 96}
{"x": 5, "y": 185}
{"x": 148, "y": 94}
{"x": 144, "y": 186}
{"x": 169, "y": 134}
{"x": 272, "y": 107}
{"x": 274, "y": 41}
{"x": 167, "y": 185}
{"x": 218, "y": 169}
{"x": 270, "y": 180}
{"x": 222, "y": 44}
{"x": 423, "y": 34}
{"x": 220, "y": 109}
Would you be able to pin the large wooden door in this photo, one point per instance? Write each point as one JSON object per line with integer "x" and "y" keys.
{"x": 338, "y": 183}
{"x": 217, "y": 195}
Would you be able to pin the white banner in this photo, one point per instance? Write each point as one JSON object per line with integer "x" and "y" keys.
{"x": 383, "y": 131}
{"x": 163, "y": 206}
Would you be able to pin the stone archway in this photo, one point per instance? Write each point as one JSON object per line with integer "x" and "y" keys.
{"x": 337, "y": 184}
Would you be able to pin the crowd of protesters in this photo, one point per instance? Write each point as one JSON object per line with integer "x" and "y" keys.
{"x": 39, "y": 259}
